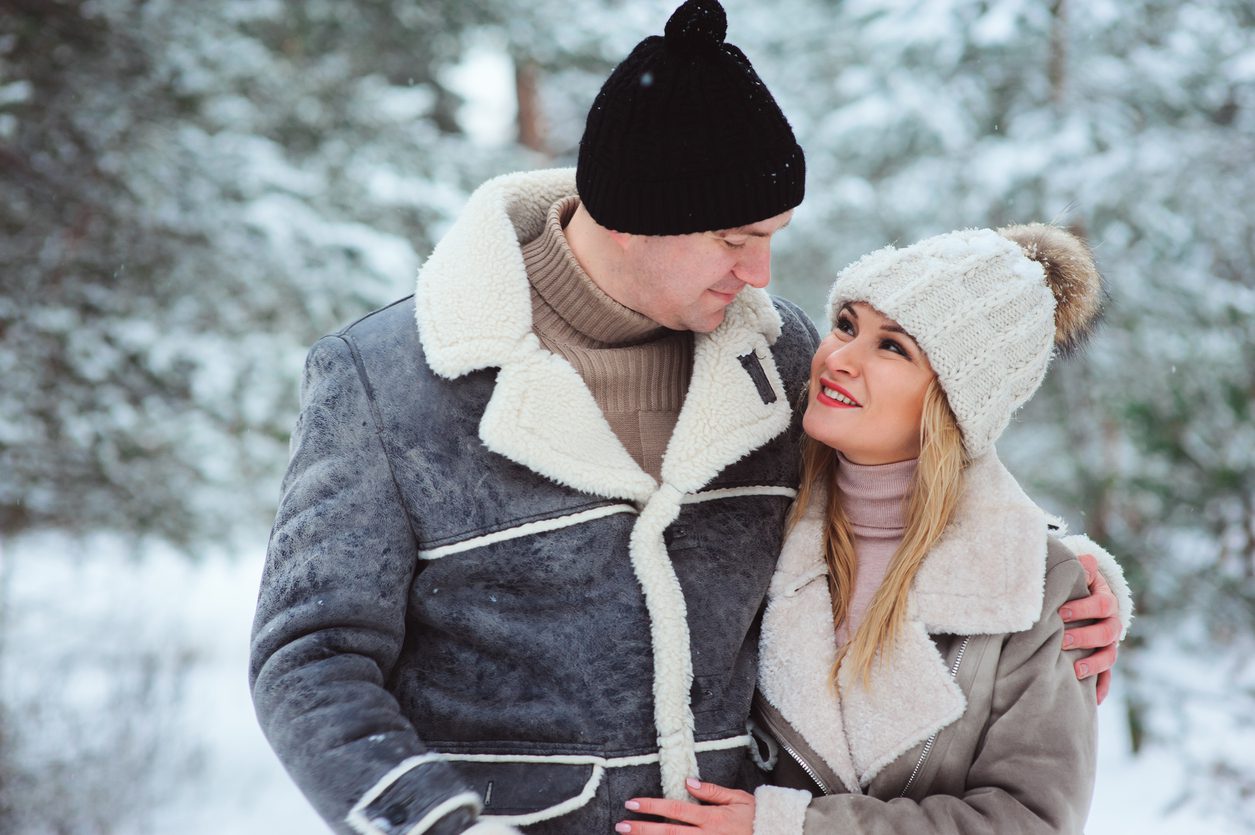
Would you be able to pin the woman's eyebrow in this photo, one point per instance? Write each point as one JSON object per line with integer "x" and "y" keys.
{"x": 896, "y": 328}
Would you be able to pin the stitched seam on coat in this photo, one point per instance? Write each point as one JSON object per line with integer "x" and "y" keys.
{"x": 527, "y": 529}
{"x": 369, "y": 391}
{"x": 344, "y": 330}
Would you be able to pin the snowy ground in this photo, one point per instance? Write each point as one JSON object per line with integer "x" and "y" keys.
{"x": 93, "y": 601}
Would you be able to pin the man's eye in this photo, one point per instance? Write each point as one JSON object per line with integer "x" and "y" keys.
{"x": 735, "y": 244}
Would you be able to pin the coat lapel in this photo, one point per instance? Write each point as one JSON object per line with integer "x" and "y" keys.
{"x": 473, "y": 307}
{"x": 986, "y": 575}
{"x": 798, "y": 645}
{"x": 727, "y": 413}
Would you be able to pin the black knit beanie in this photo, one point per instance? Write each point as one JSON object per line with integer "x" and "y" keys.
{"x": 684, "y": 136}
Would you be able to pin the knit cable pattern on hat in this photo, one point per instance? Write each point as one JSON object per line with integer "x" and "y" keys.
{"x": 978, "y": 307}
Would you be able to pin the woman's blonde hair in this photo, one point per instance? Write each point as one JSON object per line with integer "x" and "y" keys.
{"x": 931, "y": 500}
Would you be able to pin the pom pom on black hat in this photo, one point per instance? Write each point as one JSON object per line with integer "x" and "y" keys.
{"x": 697, "y": 24}
{"x": 1071, "y": 275}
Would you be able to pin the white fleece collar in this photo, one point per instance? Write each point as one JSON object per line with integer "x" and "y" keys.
{"x": 473, "y": 308}
{"x": 986, "y": 575}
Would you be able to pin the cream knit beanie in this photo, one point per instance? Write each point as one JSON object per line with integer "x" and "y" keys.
{"x": 988, "y": 308}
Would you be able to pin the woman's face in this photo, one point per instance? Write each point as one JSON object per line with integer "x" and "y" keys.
{"x": 867, "y": 387}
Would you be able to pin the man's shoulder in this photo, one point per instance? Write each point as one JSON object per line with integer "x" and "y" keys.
{"x": 795, "y": 322}
{"x": 795, "y": 346}
{"x": 384, "y": 343}
{"x": 389, "y": 319}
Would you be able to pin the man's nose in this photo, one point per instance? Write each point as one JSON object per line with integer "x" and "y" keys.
{"x": 754, "y": 267}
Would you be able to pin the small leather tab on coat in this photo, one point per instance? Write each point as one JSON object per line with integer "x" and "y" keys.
{"x": 754, "y": 367}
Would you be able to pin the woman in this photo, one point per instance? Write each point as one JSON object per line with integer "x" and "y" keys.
{"x": 910, "y": 678}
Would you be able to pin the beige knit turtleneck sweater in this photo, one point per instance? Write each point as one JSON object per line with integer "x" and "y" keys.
{"x": 637, "y": 370}
{"x": 874, "y": 501}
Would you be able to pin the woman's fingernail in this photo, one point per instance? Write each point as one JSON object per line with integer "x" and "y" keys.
{"x": 623, "y": 826}
{"x": 1065, "y": 613}
{"x": 694, "y": 783}
{"x": 1068, "y": 640}
{"x": 1084, "y": 668}
{"x": 633, "y": 805}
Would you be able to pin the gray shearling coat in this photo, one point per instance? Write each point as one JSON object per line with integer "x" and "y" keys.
{"x": 977, "y": 724}
{"x": 476, "y": 606}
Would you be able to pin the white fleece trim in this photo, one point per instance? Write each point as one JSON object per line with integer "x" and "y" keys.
{"x": 985, "y": 575}
{"x": 669, "y": 633}
{"x": 359, "y": 822}
{"x": 543, "y": 416}
{"x": 599, "y": 767}
{"x": 761, "y": 738}
{"x": 558, "y": 809}
{"x": 486, "y": 826}
{"x": 780, "y": 811}
{"x": 798, "y": 646}
{"x": 737, "y": 492}
{"x": 724, "y": 418}
{"x": 527, "y": 529}
{"x": 472, "y": 302}
{"x": 910, "y": 697}
{"x": 356, "y": 817}
{"x": 1081, "y": 544}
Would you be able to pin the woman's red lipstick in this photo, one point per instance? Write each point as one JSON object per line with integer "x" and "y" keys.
{"x": 830, "y": 401}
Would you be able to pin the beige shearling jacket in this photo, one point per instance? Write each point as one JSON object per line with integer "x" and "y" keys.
{"x": 975, "y": 722}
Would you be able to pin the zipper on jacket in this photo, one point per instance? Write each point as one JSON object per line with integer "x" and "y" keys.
{"x": 793, "y": 753}
{"x": 928, "y": 746}
{"x": 801, "y": 761}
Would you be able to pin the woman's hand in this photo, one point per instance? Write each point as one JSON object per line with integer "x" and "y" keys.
{"x": 728, "y": 812}
{"x": 1103, "y": 636}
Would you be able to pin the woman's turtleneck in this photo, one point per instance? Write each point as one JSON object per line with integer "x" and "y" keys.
{"x": 874, "y": 501}
{"x": 637, "y": 370}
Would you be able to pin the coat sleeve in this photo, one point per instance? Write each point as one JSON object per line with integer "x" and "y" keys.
{"x": 1033, "y": 772}
{"x": 330, "y": 622}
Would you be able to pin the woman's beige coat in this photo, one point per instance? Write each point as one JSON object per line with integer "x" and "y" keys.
{"x": 975, "y": 722}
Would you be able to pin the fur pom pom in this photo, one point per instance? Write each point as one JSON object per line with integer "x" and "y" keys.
{"x": 1071, "y": 274}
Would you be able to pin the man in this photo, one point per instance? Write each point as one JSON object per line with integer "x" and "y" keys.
{"x": 490, "y": 599}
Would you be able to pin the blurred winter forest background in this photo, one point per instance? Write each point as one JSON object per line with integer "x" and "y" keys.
{"x": 192, "y": 192}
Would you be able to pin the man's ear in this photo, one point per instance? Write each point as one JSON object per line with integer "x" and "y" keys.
{"x": 621, "y": 239}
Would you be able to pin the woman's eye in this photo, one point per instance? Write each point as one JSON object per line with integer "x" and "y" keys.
{"x": 844, "y": 325}
{"x": 890, "y": 345}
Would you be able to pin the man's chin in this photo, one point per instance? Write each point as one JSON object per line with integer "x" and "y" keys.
{"x": 709, "y": 323}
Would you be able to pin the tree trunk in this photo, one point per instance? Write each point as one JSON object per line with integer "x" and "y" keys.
{"x": 531, "y": 120}
{"x": 1058, "y": 51}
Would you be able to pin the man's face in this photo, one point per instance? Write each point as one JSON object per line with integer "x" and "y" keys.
{"x": 686, "y": 282}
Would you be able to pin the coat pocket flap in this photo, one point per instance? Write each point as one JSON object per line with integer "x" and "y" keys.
{"x": 523, "y": 790}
